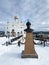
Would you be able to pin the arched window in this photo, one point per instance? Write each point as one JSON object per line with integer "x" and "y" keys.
{"x": 7, "y": 27}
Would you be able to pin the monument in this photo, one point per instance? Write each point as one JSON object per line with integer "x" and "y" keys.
{"x": 29, "y": 50}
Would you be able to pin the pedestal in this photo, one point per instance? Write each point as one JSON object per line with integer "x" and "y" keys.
{"x": 29, "y": 50}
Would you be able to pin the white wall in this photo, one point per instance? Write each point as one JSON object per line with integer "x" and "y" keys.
{"x": 17, "y": 26}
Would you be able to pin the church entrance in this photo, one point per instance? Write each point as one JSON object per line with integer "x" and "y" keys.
{"x": 13, "y": 32}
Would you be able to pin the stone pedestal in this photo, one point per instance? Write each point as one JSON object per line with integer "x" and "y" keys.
{"x": 29, "y": 50}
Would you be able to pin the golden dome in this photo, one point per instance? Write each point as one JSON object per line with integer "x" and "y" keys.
{"x": 15, "y": 17}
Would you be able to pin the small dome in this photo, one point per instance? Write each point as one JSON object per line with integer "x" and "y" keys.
{"x": 15, "y": 17}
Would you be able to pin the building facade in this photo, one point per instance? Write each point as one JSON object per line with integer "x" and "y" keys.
{"x": 15, "y": 28}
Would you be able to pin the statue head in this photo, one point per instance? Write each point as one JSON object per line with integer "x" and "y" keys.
{"x": 28, "y": 25}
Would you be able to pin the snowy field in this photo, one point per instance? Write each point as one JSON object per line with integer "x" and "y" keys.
{"x": 11, "y": 55}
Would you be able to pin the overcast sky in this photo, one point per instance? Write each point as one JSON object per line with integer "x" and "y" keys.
{"x": 37, "y": 11}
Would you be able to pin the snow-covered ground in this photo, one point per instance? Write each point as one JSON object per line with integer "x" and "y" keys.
{"x": 11, "y": 55}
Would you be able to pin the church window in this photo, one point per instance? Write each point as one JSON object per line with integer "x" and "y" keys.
{"x": 12, "y": 25}
{"x": 7, "y": 27}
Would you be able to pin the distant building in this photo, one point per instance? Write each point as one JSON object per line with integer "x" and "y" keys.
{"x": 15, "y": 28}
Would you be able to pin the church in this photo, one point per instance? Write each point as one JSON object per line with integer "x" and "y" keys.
{"x": 15, "y": 28}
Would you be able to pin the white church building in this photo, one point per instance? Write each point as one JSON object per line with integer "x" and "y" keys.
{"x": 15, "y": 28}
